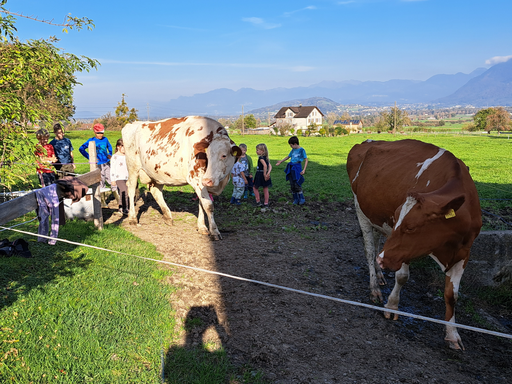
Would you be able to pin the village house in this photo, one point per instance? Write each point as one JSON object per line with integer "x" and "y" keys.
{"x": 352, "y": 126}
{"x": 299, "y": 117}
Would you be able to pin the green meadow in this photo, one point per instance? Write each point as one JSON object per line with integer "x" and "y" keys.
{"x": 74, "y": 314}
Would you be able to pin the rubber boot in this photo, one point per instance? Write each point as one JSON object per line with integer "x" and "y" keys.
{"x": 295, "y": 198}
{"x": 117, "y": 197}
{"x": 232, "y": 201}
{"x": 103, "y": 201}
{"x": 246, "y": 194}
{"x": 238, "y": 202}
{"x": 302, "y": 200}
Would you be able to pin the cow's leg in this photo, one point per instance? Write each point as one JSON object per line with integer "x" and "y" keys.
{"x": 156, "y": 191}
{"x": 401, "y": 277}
{"x": 370, "y": 250}
{"x": 132, "y": 187}
{"x": 207, "y": 205}
{"x": 451, "y": 292}
{"x": 201, "y": 225}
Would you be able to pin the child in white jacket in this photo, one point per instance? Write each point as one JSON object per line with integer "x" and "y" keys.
{"x": 119, "y": 175}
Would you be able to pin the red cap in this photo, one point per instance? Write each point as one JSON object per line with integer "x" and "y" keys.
{"x": 98, "y": 128}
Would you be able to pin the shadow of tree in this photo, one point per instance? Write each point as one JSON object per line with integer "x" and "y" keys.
{"x": 19, "y": 275}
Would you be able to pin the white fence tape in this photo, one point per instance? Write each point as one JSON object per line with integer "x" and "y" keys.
{"x": 354, "y": 303}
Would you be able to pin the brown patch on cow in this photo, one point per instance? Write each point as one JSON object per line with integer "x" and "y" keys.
{"x": 189, "y": 131}
{"x": 157, "y": 167}
{"x": 166, "y": 129}
{"x": 201, "y": 163}
{"x": 167, "y": 174}
{"x": 203, "y": 144}
{"x": 222, "y": 131}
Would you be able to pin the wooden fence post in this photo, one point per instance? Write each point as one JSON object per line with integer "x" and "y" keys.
{"x": 96, "y": 198}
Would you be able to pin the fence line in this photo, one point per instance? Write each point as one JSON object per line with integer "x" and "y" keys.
{"x": 354, "y": 303}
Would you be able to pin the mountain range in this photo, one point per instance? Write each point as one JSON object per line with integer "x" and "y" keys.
{"x": 480, "y": 88}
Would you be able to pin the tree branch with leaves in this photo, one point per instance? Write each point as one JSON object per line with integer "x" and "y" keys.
{"x": 36, "y": 88}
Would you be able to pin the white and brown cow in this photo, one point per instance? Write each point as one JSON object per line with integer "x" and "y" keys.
{"x": 190, "y": 150}
{"x": 424, "y": 200}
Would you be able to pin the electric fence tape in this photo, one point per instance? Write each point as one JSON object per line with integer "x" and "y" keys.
{"x": 354, "y": 303}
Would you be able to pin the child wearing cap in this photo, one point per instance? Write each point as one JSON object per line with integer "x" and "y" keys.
{"x": 103, "y": 152}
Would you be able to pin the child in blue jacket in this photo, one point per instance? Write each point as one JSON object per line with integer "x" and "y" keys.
{"x": 294, "y": 171}
{"x": 103, "y": 152}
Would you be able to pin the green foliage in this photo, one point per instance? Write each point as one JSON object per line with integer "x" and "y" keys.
{"x": 394, "y": 119}
{"x": 249, "y": 121}
{"x": 125, "y": 115}
{"x": 480, "y": 118}
{"x": 492, "y": 119}
{"x": 340, "y": 131}
{"x": 36, "y": 87}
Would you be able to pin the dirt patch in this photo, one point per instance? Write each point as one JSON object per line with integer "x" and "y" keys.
{"x": 294, "y": 338}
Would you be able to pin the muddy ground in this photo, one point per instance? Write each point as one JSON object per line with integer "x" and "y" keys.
{"x": 294, "y": 338}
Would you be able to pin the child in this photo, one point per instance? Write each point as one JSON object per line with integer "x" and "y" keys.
{"x": 63, "y": 151}
{"x": 247, "y": 161}
{"x": 103, "y": 153}
{"x": 46, "y": 155}
{"x": 239, "y": 182}
{"x": 294, "y": 171}
{"x": 119, "y": 175}
{"x": 262, "y": 177}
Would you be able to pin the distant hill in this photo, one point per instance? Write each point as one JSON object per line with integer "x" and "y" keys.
{"x": 326, "y": 105}
{"x": 493, "y": 87}
{"x": 479, "y": 88}
{"x": 228, "y": 102}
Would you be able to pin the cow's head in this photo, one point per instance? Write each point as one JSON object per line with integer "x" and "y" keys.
{"x": 425, "y": 222}
{"x": 221, "y": 156}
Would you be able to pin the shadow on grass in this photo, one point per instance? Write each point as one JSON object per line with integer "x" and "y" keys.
{"x": 20, "y": 275}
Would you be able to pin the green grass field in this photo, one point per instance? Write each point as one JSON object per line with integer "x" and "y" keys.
{"x": 75, "y": 315}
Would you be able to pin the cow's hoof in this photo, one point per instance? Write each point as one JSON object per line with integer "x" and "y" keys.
{"x": 132, "y": 221}
{"x": 169, "y": 222}
{"x": 216, "y": 237}
{"x": 455, "y": 344}
{"x": 387, "y": 315}
{"x": 376, "y": 296}
{"x": 203, "y": 231}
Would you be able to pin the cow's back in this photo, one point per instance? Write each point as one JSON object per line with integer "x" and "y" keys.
{"x": 165, "y": 149}
{"x": 382, "y": 174}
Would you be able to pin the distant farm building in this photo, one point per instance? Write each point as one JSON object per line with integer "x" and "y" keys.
{"x": 353, "y": 126}
{"x": 299, "y": 118}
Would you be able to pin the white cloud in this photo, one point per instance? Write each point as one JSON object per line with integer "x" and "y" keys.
{"x": 308, "y": 8}
{"x": 302, "y": 68}
{"x": 497, "y": 60}
{"x": 259, "y": 22}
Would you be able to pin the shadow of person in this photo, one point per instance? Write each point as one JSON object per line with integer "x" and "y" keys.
{"x": 201, "y": 357}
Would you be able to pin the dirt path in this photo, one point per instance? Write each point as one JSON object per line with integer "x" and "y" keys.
{"x": 295, "y": 338}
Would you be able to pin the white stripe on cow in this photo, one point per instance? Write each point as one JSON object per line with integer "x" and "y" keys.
{"x": 357, "y": 174}
{"x": 406, "y": 208}
{"x": 427, "y": 162}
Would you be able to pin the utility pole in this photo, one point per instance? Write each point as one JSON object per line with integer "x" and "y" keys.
{"x": 394, "y": 123}
{"x": 243, "y": 120}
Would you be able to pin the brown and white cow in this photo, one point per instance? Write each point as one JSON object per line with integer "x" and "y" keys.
{"x": 190, "y": 150}
{"x": 424, "y": 200}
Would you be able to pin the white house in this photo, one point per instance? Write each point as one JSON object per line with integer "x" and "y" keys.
{"x": 299, "y": 117}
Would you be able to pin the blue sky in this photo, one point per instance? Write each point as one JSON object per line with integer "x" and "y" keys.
{"x": 155, "y": 51}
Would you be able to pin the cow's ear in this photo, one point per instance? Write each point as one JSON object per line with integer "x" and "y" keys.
{"x": 236, "y": 151}
{"x": 449, "y": 209}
